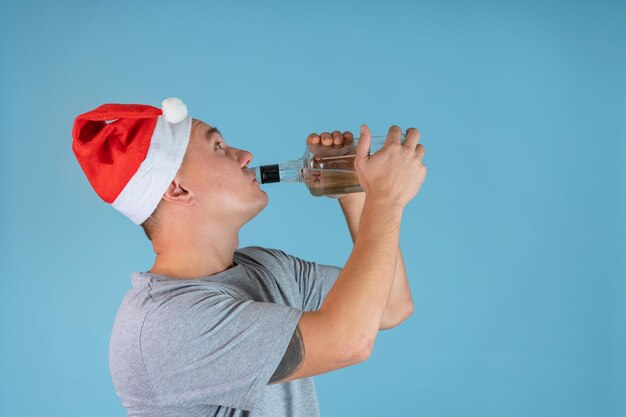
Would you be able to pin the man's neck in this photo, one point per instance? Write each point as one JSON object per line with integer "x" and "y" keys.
{"x": 197, "y": 259}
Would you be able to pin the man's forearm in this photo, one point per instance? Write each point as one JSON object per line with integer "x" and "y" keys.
{"x": 400, "y": 295}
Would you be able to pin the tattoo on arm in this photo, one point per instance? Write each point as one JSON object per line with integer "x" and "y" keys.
{"x": 292, "y": 359}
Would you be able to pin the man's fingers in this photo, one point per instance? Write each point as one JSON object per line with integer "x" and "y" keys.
{"x": 337, "y": 137}
{"x": 394, "y": 134}
{"x": 412, "y": 137}
{"x": 363, "y": 145}
{"x": 421, "y": 151}
{"x": 313, "y": 138}
{"x": 327, "y": 139}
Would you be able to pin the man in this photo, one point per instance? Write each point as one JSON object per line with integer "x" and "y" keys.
{"x": 215, "y": 330}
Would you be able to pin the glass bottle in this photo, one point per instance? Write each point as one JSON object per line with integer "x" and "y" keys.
{"x": 324, "y": 169}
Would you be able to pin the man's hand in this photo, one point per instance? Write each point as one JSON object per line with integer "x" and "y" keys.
{"x": 336, "y": 143}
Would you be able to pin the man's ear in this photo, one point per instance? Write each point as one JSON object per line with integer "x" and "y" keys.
{"x": 177, "y": 194}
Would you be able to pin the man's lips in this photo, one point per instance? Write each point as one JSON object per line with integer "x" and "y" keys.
{"x": 253, "y": 176}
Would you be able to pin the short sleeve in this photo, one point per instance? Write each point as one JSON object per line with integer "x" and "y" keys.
{"x": 314, "y": 279}
{"x": 210, "y": 348}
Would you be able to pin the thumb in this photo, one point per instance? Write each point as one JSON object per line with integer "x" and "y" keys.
{"x": 363, "y": 143}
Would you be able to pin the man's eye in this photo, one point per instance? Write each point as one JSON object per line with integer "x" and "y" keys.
{"x": 219, "y": 144}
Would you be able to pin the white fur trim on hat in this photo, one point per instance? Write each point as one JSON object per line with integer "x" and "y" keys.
{"x": 142, "y": 193}
{"x": 174, "y": 110}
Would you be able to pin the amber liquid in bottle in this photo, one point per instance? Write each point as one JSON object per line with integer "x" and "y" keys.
{"x": 332, "y": 175}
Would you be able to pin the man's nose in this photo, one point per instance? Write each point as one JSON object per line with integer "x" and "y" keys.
{"x": 244, "y": 157}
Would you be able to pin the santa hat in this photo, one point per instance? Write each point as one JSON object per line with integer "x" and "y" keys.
{"x": 132, "y": 152}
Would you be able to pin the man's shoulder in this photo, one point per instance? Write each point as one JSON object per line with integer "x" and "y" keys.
{"x": 161, "y": 299}
{"x": 263, "y": 255}
{"x": 254, "y": 249}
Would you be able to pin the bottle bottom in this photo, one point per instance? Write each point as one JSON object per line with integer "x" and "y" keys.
{"x": 327, "y": 182}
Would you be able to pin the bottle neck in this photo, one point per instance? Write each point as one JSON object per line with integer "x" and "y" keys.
{"x": 290, "y": 171}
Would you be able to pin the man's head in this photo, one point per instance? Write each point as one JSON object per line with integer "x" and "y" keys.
{"x": 212, "y": 188}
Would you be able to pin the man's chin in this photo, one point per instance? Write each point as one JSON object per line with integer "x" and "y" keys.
{"x": 267, "y": 200}
{"x": 259, "y": 204}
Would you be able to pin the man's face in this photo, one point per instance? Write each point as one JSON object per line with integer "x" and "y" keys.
{"x": 218, "y": 177}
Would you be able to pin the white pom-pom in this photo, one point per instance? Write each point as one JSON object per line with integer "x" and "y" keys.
{"x": 174, "y": 110}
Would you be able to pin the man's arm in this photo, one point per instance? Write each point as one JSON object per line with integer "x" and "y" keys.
{"x": 351, "y": 314}
{"x": 400, "y": 303}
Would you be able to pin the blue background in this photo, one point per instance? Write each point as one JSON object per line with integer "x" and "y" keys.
{"x": 515, "y": 246}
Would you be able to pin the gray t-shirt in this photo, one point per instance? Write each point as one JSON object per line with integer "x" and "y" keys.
{"x": 208, "y": 346}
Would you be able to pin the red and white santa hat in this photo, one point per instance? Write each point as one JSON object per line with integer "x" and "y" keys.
{"x": 132, "y": 152}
